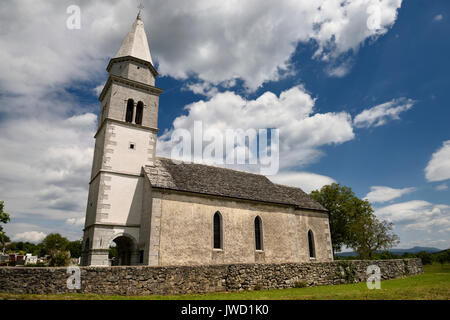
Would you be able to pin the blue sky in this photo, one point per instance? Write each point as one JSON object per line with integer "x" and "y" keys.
{"x": 374, "y": 101}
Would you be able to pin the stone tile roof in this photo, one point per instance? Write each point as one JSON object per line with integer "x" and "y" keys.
{"x": 204, "y": 179}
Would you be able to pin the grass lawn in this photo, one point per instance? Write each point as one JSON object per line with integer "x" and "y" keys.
{"x": 433, "y": 284}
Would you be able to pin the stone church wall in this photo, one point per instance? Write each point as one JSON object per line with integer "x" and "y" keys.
{"x": 146, "y": 280}
{"x": 186, "y": 232}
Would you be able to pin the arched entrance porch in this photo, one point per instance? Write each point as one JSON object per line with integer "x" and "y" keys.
{"x": 123, "y": 251}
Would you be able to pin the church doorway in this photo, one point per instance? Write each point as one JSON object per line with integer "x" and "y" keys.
{"x": 121, "y": 251}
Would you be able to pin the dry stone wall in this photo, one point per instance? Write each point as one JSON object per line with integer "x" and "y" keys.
{"x": 146, "y": 280}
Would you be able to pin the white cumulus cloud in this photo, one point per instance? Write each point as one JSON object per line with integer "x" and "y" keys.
{"x": 302, "y": 131}
{"x": 438, "y": 168}
{"x": 418, "y": 215}
{"x": 30, "y": 236}
{"x": 201, "y": 37}
{"x": 307, "y": 181}
{"x": 45, "y": 173}
{"x": 381, "y": 114}
{"x": 75, "y": 221}
{"x": 384, "y": 194}
{"x": 48, "y": 135}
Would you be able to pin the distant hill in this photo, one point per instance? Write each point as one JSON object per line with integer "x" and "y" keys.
{"x": 416, "y": 250}
{"x": 396, "y": 251}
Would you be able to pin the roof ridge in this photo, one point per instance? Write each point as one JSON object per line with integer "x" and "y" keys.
{"x": 226, "y": 182}
{"x": 208, "y": 165}
{"x": 287, "y": 186}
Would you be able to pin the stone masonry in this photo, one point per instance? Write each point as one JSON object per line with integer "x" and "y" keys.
{"x": 147, "y": 280}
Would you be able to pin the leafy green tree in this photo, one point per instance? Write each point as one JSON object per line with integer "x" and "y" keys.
{"x": 4, "y": 218}
{"x": 56, "y": 245}
{"x": 112, "y": 252}
{"x": 74, "y": 248}
{"x": 59, "y": 258}
{"x": 407, "y": 255}
{"x": 442, "y": 257}
{"x": 54, "y": 241}
{"x": 427, "y": 258}
{"x": 27, "y": 247}
{"x": 385, "y": 255}
{"x": 368, "y": 234}
{"x": 343, "y": 208}
{"x": 352, "y": 221}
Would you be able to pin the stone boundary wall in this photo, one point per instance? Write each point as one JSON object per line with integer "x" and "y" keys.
{"x": 146, "y": 280}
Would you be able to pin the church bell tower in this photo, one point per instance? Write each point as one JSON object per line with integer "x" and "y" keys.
{"x": 125, "y": 142}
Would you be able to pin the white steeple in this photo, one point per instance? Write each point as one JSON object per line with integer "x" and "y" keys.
{"x": 136, "y": 44}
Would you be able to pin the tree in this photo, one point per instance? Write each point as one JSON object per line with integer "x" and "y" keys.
{"x": 385, "y": 255}
{"x": 343, "y": 208}
{"x": 4, "y": 218}
{"x": 26, "y": 247}
{"x": 352, "y": 221}
{"x": 59, "y": 258}
{"x": 443, "y": 257}
{"x": 75, "y": 248}
{"x": 54, "y": 241}
{"x": 368, "y": 234}
{"x": 56, "y": 246}
{"x": 112, "y": 252}
{"x": 426, "y": 257}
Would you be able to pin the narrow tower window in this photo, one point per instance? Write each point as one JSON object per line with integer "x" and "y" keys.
{"x": 217, "y": 231}
{"x": 258, "y": 234}
{"x": 129, "y": 113}
{"x": 312, "y": 249}
{"x": 139, "y": 112}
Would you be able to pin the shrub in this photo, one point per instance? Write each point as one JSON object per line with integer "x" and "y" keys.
{"x": 258, "y": 287}
{"x": 385, "y": 255}
{"x": 59, "y": 258}
{"x": 34, "y": 265}
{"x": 442, "y": 257}
{"x": 427, "y": 258}
{"x": 348, "y": 269}
{"x": 300, "y": 284}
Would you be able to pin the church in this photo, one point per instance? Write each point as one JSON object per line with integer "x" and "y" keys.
{"x": 161, "y": 213}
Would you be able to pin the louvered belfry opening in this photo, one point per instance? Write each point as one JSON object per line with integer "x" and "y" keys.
{"x": 139, "y": 112}
{"x": 129, "y": 113}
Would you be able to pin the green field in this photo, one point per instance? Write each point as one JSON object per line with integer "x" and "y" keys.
{"x": 433, "y": 284}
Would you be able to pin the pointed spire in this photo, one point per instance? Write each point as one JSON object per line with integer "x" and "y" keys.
{"x": 136, "y": 44}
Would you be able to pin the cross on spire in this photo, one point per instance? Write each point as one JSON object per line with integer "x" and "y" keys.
{"x": 140, "y": 7}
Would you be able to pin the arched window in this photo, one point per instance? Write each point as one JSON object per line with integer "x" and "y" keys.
{"x": 129, "y": 113}
{"x": 217, "y": 231}
{"x": 139, "y": 112}
{"x": 258, "y": 234}
{"x": 312, "y": 249}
